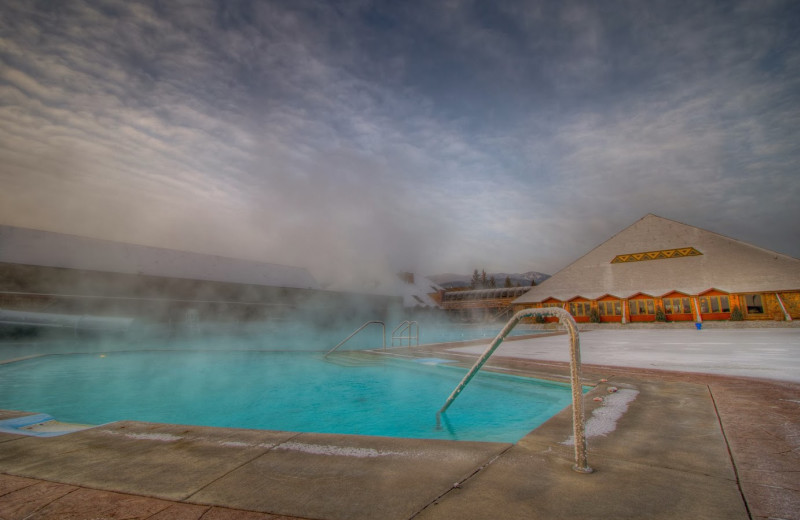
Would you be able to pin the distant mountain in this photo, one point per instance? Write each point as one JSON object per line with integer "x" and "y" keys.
{"x": 452, "y": 280}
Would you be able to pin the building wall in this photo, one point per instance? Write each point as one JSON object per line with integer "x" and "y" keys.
{"x": 792, "y": 302}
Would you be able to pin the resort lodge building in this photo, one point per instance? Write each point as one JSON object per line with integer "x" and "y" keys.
{"x": 662, "y": 270}
{"x": 481, "y": 304}
{"x": 62, "y": 274}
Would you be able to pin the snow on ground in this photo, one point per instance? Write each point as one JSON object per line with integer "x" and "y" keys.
{"x": 761, "y": 353}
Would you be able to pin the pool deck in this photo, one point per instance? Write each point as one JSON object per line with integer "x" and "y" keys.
{"x": 687, "y": 446}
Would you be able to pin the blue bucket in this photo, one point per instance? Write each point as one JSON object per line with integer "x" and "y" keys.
{"x": 698, "y": 325}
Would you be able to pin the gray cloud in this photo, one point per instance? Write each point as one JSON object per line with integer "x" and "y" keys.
{"x": 360, "y": 138}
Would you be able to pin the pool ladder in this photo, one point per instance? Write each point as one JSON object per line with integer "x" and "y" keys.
{"x": 364, "y": 326}
{"x": 406, "y": 330}
{"x": 578, "y": 423}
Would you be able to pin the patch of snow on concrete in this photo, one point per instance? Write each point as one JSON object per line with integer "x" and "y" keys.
{"x": 604, "y": 419}
{"x": 236, "y": 444}
{"x": 337, "y": 451}
{"x": 240, "y": 444}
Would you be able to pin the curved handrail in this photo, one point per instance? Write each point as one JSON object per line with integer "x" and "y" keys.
{"x": 345, "y": 340}
{"x": 409, "y": 326}
{"x": 578, "y": 423}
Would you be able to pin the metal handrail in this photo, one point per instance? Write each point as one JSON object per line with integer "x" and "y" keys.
{"x": 578, "y": 423}
{"x": 503, "y": 312}
{"x": 408, "y": 326}
{"x": 345, "y": 340}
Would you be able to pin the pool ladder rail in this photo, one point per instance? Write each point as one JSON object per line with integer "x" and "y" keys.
{"x": 362, "y": 327}
{"x": 578, "y": 421}
{"x": 406, "y": 330}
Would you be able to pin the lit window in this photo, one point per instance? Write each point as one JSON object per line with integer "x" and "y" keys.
{"x": 642, "y": 307}
{"x": 714, "y": 304}
{"x": 580, "y": 308}
{"x": 612, "y": 308}
{"x": 677, "y": 306}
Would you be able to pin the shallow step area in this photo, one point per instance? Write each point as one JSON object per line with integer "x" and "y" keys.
{"x": 353, "y": 358}
{"x": 37, "y": 425}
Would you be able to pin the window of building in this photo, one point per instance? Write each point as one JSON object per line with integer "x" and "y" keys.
{"x": 754, "y": 304}
{"x": 714, "y": 304}
{"x": 642, "y": 307}
{"x": 677, "y": 306}
{"x": 552, "y": 304}
{"x": 580, "y": 308}
{"x": 612, "y": 308}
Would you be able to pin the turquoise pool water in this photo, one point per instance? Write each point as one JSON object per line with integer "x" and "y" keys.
{"x": 279, "y": 391}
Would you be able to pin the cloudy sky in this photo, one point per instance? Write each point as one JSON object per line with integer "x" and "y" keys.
{"x": 360, "y": 137}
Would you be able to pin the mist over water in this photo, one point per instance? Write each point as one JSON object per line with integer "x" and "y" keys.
{"x": 288, "y": 335}
{"x": 185, "y": 375}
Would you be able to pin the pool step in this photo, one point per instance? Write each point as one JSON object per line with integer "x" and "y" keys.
{"x": 40, "y": 425}
{"x": 353, "y": 360}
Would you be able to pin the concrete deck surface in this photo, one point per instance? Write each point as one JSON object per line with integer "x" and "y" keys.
{"x": 687, "y": 446}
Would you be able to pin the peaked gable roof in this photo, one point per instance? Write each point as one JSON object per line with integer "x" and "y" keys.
{"x": 48, "y": 249}
{"x": 656, "y": 256}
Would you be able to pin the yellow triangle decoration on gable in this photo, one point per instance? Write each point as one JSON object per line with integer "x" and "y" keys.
{"x": 656, "y": 255}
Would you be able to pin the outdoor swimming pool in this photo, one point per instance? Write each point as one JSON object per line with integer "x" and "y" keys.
{"x": 279, "y": 391}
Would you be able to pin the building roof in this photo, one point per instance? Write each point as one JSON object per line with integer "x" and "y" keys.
{"x": 656, "y": 256}
{"x": 47, "y": 249}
